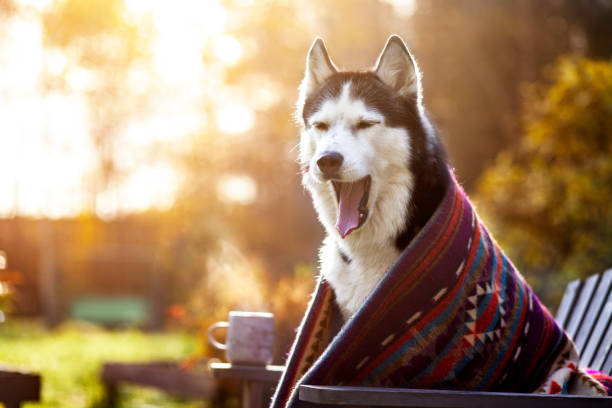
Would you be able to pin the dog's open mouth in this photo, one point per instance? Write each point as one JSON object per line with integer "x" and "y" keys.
{"x": 352, "y": 204}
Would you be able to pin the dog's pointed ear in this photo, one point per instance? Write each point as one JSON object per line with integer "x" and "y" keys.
{"x": 318, "y": 67}
{"x": 397, "y": 68}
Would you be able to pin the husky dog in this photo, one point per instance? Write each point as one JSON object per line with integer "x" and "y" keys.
{"x": 372, "y": 162}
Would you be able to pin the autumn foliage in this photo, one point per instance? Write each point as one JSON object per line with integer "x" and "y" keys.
{"x": 549, "y": 198}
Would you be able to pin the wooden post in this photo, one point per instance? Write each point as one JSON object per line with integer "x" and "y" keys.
{"x": 252, "y": 394}
{"x": 12, "y": 404}
{"x": 47, "y": 274}
{"x": 156, "y": 296}
{"x": 111, "y": 395}
{"x": 254, "y": 379}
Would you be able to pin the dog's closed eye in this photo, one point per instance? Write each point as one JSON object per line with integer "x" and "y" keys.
{"x": 365, "y": 124}
{"x": 321, "y": 126}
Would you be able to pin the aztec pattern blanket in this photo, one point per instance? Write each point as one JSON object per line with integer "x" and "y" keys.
{"x": 452, "y": 313}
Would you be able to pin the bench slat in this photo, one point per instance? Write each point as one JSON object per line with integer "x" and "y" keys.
{"x": 593, "y": 313}
{"x": 405, "y": 397}
{"x": 568, "y": 301}
{"x": 596, "y": 339}
{"x": 607, "y": 366}
{"x": 583, "y": 303}
{"x": 604, "y": 348}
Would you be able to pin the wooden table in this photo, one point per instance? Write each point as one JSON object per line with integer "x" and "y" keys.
{"x": 18, "y": 386}
{"x": 254, "y": 379}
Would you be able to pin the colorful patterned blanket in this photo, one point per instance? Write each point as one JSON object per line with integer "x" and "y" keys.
{"x": 452, "y": 313}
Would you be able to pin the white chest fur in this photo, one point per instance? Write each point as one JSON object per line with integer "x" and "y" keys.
{"x": 353, "y": 281}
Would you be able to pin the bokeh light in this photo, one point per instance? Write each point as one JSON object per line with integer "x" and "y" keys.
{"x": 234, "y": 117}
{"x": 237, "y": 189}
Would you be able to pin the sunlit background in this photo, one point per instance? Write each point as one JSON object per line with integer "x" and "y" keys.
{"x": 164, "y": 93}
{"x": 147, "y": 159}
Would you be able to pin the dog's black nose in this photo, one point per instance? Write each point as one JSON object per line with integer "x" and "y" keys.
{"x": 329, "y": 163}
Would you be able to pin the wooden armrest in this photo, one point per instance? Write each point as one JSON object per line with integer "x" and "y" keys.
{"x": 406, "y": 397}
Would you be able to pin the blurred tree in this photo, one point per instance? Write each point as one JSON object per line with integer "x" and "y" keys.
{"x": 549, "y": 199}
{"x": 100, "y": 45}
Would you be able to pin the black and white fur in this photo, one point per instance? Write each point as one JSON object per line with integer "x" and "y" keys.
{"x": 375, "y": 120}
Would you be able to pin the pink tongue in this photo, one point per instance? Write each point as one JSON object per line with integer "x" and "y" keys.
{"x": 350, "y": 195}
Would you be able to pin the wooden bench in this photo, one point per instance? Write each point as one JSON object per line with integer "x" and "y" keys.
{"x": 18, "y": 386}
{"x": 163, "y": 375}
{"x": 585, "y": 313}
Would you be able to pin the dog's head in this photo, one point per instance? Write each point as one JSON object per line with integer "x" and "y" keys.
{"x": 356, "y": 146}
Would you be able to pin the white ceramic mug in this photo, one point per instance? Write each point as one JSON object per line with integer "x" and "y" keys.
{"x": 250, "y": 337}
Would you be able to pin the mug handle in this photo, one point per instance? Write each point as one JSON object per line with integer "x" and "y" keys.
{"x": 211, "y": 338}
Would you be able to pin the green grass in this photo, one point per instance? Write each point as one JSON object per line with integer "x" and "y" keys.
{"x": 69, "y": 359}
